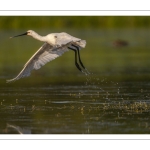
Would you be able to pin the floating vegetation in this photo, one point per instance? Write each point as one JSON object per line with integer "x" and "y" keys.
{"x": 133, "y": 107}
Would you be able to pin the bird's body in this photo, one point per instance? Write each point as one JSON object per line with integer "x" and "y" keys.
{"x": 54, "y": 38}
{"x": 55, "y": 44}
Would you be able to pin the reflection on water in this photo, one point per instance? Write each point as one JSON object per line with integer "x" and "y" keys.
{"x": 16, "y": 129}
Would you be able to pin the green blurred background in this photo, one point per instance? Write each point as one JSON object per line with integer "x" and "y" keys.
{"x": 58, "y": 98}
{"x": 117, "y": 46}
{"x": 75, "y": 22}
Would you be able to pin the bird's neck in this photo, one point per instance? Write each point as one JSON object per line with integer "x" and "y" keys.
{"x": 40, "y": 38}
{"x": 50, "y": 38}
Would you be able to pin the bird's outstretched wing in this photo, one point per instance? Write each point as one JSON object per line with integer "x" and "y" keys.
{"x": 45, "y": 54}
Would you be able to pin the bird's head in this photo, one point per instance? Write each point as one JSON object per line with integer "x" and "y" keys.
{"x": 30, "y": 32}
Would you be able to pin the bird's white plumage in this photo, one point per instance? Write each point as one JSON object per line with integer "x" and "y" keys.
{"x": 48, "y": 52}
{"x": 64, "y": 38}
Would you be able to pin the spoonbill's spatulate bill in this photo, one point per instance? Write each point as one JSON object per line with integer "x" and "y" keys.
{"x": 55, "y": 44}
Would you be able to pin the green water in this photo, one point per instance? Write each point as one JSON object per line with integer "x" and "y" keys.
{"x": 58, "y": 98}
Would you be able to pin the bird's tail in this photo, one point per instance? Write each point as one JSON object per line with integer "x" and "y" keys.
{"x": 82, "y": 43}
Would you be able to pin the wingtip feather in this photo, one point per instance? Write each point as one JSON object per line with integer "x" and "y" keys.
{"x": 9, "y": 81}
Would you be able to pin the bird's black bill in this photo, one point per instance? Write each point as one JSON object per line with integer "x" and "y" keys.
{"x": 19, "y": 35}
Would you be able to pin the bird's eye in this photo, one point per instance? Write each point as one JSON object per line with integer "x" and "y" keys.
{"x": 55, "y": 36}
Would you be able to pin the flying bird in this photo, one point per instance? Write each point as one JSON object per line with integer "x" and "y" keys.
{"x": 55, "y": 44}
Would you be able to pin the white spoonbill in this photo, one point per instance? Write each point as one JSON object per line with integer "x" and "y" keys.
{"x": 55, "y": 44}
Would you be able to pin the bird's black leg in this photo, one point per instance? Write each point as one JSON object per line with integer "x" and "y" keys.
{"x": 77, "y": 65}
{"x": 79, "y": 56}
{"x": 77, "y": 48}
